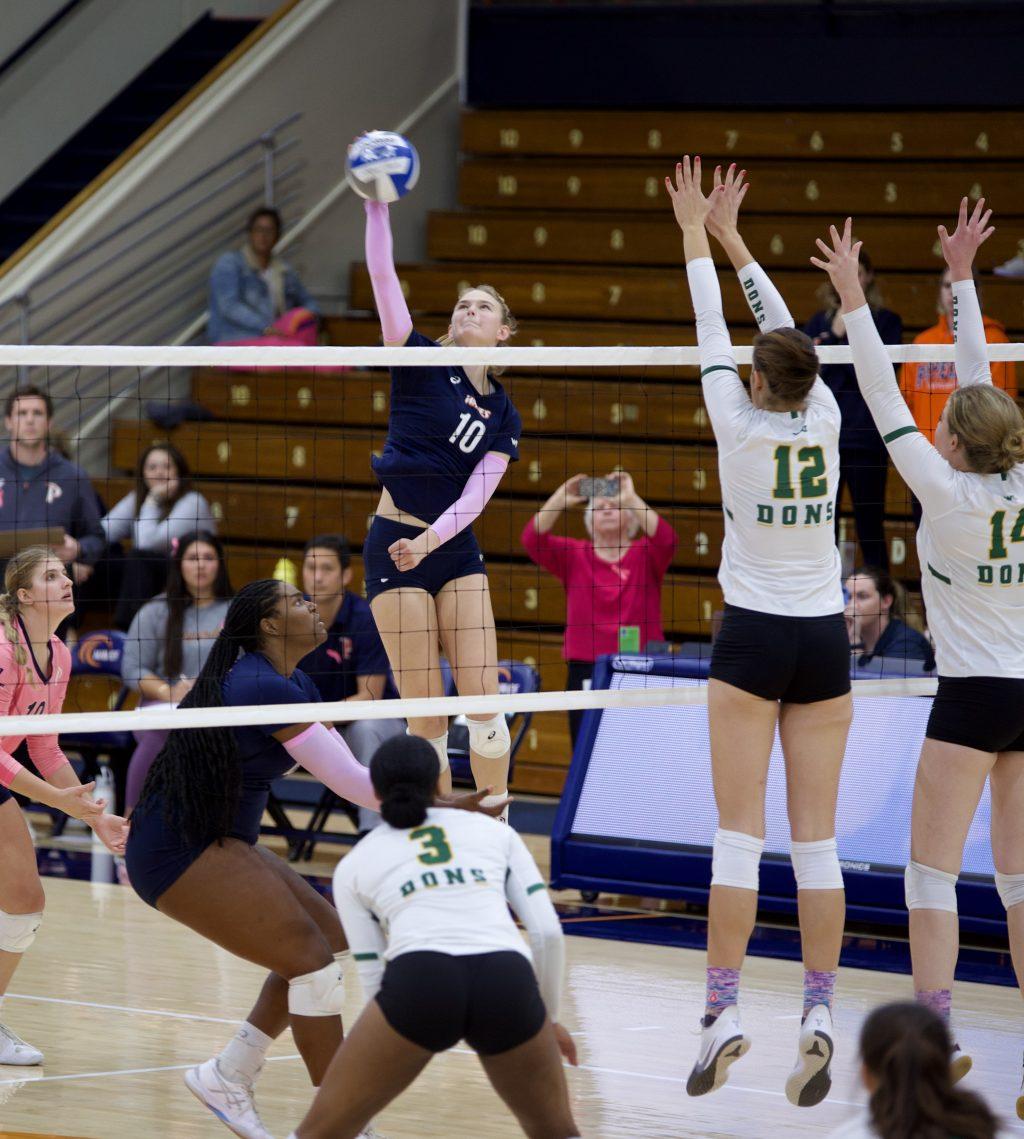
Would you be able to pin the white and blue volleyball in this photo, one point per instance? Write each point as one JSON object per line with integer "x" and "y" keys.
{"x": 382, "y": 166}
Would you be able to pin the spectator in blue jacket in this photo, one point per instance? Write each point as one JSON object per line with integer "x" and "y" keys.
{"x": 874, "y": 616}
{"x": 41, "y": 489}
{"x": 351, "y": 664}
{"x": 863, "y": 461}
{"x": 255, "y": 296}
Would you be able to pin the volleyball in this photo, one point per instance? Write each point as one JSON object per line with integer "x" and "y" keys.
{"x": 382, "y": 166}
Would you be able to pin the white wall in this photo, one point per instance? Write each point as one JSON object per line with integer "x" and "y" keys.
{"x": 74, "y": 71}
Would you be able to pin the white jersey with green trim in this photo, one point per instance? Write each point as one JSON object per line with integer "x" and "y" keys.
{"x": 779, "y": 471}
{"x": 446, "y": 887}
{"x": 971, "y": 540}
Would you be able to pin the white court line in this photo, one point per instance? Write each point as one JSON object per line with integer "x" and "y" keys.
{"x": 124, "y": 1008}
{"x": 26, "y": 1079}
{"x": 638, "y": 1028}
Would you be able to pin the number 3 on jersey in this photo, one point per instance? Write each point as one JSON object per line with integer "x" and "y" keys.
{"x": 468, "y": 433}
{"x": 435, "y": 845}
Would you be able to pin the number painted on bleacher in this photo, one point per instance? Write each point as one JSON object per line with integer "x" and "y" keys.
{"x": 817, "y": 142}
{"x": 614, "y": 294}
{"x": 217, "y": 510}
{"x": 654, "y": 140}
{"x": 617, "y": 239}
{"x": 291, "y": 516}
{"x": 508, "y": 138}
{"x": 937, "y": 248}
{"x": 304, "y": 397}
{"x": 651, "y": 187}
{"x": 700, "y": 417}
{"x": 701, "y": 544}
{"x": 896, "y": 142}
{"x": 811, "y": 191}
{"x": 981, "y": 142}
{"x": 531, "y": 739}
{"x": 891, "y": 192}
{"x": 540, "y": 236}
{"x": 975, "y": 192}
{"x": 507, "y": 185}
{"x": 530, "y": 598}
{"x": 223, "y": 451}
{"x": 777, "y": 245}
{"x": 534, "y": 471}
{"x": 477, "y": 235}
{"x": 406, "y": 288}
{"x": 538, "y": 293}
{"x": 731, "y": 138}
{"x": 539, "y": 409}
{"x": 897, "y": 552}
{"x": 700, "y": 479}
{"x": 531, "y": 661}
{"x": 575, "y": 138}
{"x": 844, "y": 529}
{"x": 379, "y": 400}
{"x": 625, "y": 413}
{"x": 537, "y": 342}
{"x": 298, "y": 456}
{"x": 240, "y": 395}
{"x": 706, "y": 611}
{"x": 573, "y": 185}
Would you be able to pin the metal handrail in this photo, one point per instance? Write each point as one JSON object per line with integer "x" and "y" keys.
{"x": 197, "y": 180}
{"x": 140, "y": 241}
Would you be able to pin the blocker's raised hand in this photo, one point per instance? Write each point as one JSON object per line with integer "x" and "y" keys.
{"x": 689, "y": 204}
{"x": 960, "y": 246}
{"x": 723, "y": 217}
{"x": 841, "y": 262}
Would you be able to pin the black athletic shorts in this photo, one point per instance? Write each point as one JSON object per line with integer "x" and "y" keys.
{"x": 460, "y": 556}
{"x": 798, "y": 660}
{"x": 490, "y": 1000}
{"x": 983, "y": 712}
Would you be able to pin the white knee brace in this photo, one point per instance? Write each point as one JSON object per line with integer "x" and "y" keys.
{"x": 18, "y": 931}
{"x": 440, "y": 745}
{"x": 489, "y": 738}
{"x": 1011, "y": 888}
{"x": 929, "y": 889}
{"x": 736, "y": 860}
{"x": 816, "y": 865}
{"x": 317, "y": 994}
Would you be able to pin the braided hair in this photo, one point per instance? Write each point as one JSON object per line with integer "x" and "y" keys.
{"x": 404, "y": 772}
{"x": 198, "y": 772}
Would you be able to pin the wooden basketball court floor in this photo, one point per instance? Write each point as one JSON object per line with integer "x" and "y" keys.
{"x": 123, "y": 1000}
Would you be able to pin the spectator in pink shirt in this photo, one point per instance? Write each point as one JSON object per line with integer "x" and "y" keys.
{"x": 612, "y": 580}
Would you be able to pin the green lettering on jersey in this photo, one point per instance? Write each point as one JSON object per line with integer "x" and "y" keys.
{"x": 435, "y": 845}
{"x": 765, "y": 515}
{"x": 407, "y": 888}
{"x": 453, "y": 876}
{"x": 812, "y": 515}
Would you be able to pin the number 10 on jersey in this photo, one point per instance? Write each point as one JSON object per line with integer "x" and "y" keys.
{"x": 468, "y": 432}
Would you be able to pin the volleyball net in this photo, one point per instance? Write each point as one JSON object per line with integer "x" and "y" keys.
{"x": 279, "y": 443}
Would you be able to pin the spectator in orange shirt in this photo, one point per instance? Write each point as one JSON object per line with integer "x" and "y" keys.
{"x": 926, "y": 387}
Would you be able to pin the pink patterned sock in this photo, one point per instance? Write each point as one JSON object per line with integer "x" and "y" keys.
{"x": 723, "y": 989}
{"x": 938, "y": 1000}
{"x": 819, "y": 988}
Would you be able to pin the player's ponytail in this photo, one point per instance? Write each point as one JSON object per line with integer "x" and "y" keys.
{"x": 787, "y": 362}
{"x": 198, "y": 773}
{"x": 906, "y": 1050}
{"x": 404, "y": 772}
{"x": 989, "y": 426}
{"x": 18, "y": 575}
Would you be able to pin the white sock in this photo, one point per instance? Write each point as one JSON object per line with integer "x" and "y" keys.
{"x": 243, "y": 1055}
{"x": 493, "y": 801}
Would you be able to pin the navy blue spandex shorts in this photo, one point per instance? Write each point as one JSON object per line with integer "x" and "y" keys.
{"x": 5, "y": 795}
{"x": 156, "y": 855}
{"x": 458, "y": 557}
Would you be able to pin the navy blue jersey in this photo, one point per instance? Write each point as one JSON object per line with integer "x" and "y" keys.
{"x": 440, "y": 428}
{"x": 254, "y": 680}
{"x": 353, "y": 648}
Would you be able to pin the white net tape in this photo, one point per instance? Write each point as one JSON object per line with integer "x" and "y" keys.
{"x": 157, "y": 718}
{"x": 118, "y": 356}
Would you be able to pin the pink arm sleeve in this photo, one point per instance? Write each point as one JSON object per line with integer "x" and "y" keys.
{"x": 325, "y": 754}
{"x": 46, "y": 754}
{"x": 481, "y": 484}
{"x": 395, "y": 321}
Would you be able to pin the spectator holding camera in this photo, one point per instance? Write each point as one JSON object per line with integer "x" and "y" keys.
{"x": 874, "y": 617}
{"x": 612, "y": 579}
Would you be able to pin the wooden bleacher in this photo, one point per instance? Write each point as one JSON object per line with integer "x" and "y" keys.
{"x": 566, "y": 214}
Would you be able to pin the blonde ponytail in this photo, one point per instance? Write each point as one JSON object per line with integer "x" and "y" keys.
{"x": 18, "y": 575}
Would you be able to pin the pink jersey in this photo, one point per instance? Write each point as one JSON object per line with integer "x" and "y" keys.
{"x": 25, "y": 691}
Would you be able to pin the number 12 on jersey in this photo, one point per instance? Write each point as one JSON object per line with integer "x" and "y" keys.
{"x": 813, "y": 480}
